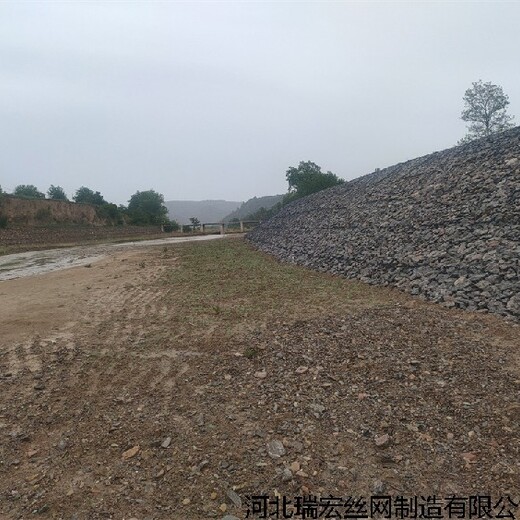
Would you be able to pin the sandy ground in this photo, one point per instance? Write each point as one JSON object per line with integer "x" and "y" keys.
{"x": 30, "y": 263}
{"x": 108, "y": 411}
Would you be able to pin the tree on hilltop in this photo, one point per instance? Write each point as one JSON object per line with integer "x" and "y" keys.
{"x": 485, "y": 109}
{"x": 56, "y": 193}
{"x": 87, "y": 196}
{"x": 308, "y": 178}
{"x": 28, "y": 191}
{"x": 304, "y": 179}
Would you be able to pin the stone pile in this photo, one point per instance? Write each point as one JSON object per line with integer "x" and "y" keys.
{"x": 445, "y": 226}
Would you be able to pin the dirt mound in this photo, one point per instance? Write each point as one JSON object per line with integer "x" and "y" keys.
{"x": 445, "y": 226}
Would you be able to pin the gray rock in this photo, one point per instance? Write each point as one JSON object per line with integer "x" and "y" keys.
{"x": 166, "y": 442}
{"x": 275, "y": 449}
{"x": 513, "y": 304}
{"x": 445, "y": 227}
{"x": 287, "y": 475}
{"x": 378, "y": 487}
{"x": 234, "y": 497}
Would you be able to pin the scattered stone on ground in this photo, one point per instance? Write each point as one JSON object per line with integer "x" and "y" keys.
{"x": 409, "y": 398}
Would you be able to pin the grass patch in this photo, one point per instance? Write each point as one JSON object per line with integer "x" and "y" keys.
{"x": 250, "y": 352}
{"x": 227, "y": 286}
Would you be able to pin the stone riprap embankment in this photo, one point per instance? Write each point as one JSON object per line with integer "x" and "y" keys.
{"x": 445, "y": 226}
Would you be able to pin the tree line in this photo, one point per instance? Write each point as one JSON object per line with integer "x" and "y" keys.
{"x": 144, "y": 207}
{"x": 485, "y": 107}
{"x": 147, "y": 207}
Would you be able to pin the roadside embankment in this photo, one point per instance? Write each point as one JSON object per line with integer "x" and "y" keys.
{"x": 445, "y": 226}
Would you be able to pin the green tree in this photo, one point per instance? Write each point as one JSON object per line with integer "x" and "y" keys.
{"x": 56, "y": 193}
{"x": 111, "y": 213}
{"x": 308, "y": 178}
{"x": 28, "y": 191}
{"x": 485, "y": 109}
{"x": 87, "y": 196}
{"x": 147, "y": 207}
{"x": 171, "y": 225}
{"x": 195, "y": 222}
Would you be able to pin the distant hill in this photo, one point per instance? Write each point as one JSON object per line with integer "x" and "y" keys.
{"x": 253, "y": 205}
{"x": 204, "y": 210}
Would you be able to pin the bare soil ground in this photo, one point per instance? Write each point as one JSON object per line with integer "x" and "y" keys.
{"x": 172, "y": 382}
{"x": 19, "y": 238}
{"x": 19, "y": 265}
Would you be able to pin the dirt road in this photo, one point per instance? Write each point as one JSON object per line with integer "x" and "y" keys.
{"x": 173, "y": 383}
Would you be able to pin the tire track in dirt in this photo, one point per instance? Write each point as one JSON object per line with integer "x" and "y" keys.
{"x": 123, "y": 316}
{"x": 117, "y": 313}
{"x": 138, "y": 315}
{"x": 114, "y": 350}
{"x": 120, "y": 372}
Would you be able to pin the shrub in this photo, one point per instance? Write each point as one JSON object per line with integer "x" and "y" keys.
{"x": 111, "y": 213}
{"x": 171, "y": 226}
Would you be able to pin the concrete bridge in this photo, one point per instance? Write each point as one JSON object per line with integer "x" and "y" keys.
{"x": 222, "y": 226}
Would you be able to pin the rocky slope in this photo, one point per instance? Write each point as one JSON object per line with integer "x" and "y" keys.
{"x": 445, "y": 226}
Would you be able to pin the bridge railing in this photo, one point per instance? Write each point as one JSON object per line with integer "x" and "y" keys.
{"x": 221, "y": 226}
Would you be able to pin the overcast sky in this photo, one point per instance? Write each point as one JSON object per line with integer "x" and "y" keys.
{"x": 215, "y": 100}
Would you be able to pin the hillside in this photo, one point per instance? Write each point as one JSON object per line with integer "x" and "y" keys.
{"x": 36, "y": 212}
{"x": 445, "y": 226}
{"x": 253, "y": 205}
{"x": 204, "y": 210}
{"x": 30, "y": 224}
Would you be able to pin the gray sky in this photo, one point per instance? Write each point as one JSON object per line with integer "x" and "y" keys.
{"x": 215, "y": 100}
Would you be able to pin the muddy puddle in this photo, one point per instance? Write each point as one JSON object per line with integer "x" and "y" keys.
{"x": 31, "y": 263}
